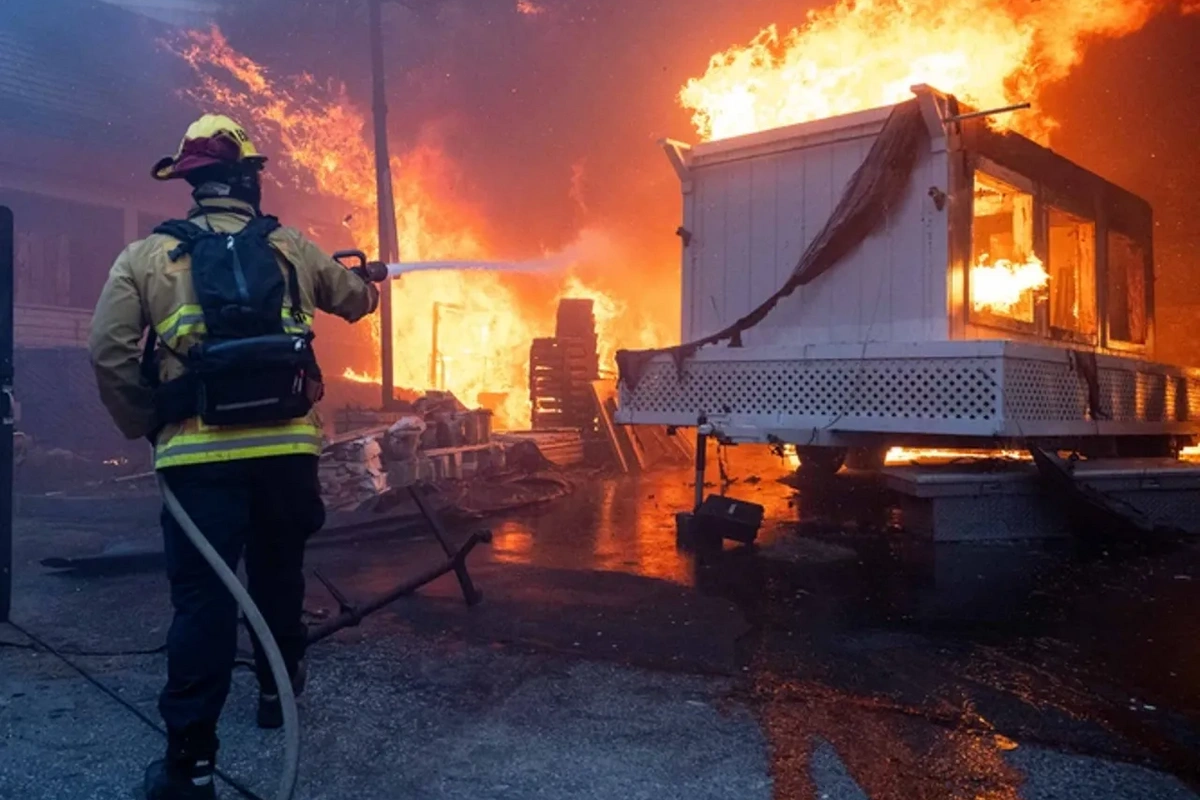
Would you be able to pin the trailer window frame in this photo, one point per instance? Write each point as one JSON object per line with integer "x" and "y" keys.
{"x": 982, "y": 317}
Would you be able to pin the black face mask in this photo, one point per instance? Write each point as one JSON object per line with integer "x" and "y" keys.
{"x": 241, "y": 185}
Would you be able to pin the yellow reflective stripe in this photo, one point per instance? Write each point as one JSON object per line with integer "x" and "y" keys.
{"x": 173, "y": 318}
{"x": 184, "y": 320}
{"x": 201, "y": 434}
{"x": 293, "y": 325}
{"x": 207, "y": 457}
{"x": 189, "y": 319}
{"x": 223, "y": 444}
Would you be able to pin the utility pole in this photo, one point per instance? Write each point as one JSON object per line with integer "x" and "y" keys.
{"x": 433, "y": 350}
{"x": 7, "y": 410}
{"x": 389, "y": 246}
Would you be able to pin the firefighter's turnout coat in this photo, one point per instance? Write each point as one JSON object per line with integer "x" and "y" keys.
{"x": 146, "y": 288}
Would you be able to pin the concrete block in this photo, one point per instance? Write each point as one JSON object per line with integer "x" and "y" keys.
{"x": 957, "y": 503}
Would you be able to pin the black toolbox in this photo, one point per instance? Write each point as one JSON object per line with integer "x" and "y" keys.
{"x": 729, "y": 518}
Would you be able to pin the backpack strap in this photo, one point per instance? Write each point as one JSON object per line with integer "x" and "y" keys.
{"x": 264, "y": 226}
{"x": 185, "y": 231}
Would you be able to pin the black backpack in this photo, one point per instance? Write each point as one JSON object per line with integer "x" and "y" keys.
{"x": 248, "y": 368}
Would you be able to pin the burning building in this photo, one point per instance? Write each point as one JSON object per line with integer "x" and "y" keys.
{"x": 935, "y": 279}
{"x": 887, "y": 271}
{"x": 73, "y": 168}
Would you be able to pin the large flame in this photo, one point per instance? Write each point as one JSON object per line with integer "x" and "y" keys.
{"x": 485, "y": 328}
{"x": 999, "y": 286}
{"x": 859, "y": 54}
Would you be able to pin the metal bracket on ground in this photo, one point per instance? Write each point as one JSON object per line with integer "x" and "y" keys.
{"x": 350, "y": 614}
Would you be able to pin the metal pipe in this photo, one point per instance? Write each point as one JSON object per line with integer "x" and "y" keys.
{"x": 353, "y": 616}
{"x": 702, "y": 431}
{"x": 991, "y": 112}
{"x": 472, "y": 595}
{"x": 389, "y": 246}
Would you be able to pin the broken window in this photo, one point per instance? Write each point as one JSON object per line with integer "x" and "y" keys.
{"x": 1005, "y": 274}
{"x": 1072, "y": 269}
{"x": 1127, "y": 271}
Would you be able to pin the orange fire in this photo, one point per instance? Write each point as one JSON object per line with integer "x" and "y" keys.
{"x": 857, "y": 55}
{"x": 900, "y": 456}
{"x": 905, "y": 455}
{"x": 485, "y": 328}
{"x": 354, "y": 376}
{"x": 999, "y": 286}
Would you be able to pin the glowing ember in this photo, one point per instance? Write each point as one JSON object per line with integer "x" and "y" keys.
{"x": 904, "y": 455}
{"x": 898, "y": 456}
{"x": 485, "y": 325}
{"x": 857, "y": 55}
{"x": 354, "y": 376}
{"x": 529, "y": 8}
{"x": 1001, "y": 285}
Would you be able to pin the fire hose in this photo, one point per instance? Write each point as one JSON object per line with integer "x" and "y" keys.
{"x": 283, "y": 682}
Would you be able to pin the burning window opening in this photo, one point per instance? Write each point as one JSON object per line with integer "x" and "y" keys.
{"x": 1127, "y": 269}
{"x": 1005, "y": 275}
{"x": 1072, "y": 257}
{"x": 1007, "y": 288}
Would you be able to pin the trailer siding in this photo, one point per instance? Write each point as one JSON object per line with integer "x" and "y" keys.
{"x": 756, "y": 211}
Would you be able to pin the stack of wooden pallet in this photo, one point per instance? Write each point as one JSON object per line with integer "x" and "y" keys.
{"x": 561, "y": 371}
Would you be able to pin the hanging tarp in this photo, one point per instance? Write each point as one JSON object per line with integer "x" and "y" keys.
{"x": 875, "y": 189}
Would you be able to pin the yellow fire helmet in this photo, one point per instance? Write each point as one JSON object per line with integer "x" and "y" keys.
{"x": 212, "y": 139}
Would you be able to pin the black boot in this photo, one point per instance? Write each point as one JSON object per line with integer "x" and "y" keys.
{"x": 187, "y": 771}
{"x": 270, "y": 709}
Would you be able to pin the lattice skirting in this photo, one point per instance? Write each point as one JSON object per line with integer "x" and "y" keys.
{"x": 992, "y": 389}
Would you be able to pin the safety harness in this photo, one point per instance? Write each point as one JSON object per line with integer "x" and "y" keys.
{"x": 251, "y": 366}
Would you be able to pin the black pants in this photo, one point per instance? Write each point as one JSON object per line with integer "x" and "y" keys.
{"x": 265, "y": 508}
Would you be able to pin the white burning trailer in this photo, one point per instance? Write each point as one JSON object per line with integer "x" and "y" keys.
{"x": 906, "y": 276}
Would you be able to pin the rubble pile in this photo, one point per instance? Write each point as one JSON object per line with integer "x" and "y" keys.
{"x": 435, "y": 438}
{"x": 352, "y": 471}
{"x": 356, "y": 467}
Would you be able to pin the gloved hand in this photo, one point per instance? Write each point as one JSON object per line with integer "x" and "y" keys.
{"x": 372, "y": 272}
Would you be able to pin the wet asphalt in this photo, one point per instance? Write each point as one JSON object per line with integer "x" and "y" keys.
{"x": 837, "y": 658}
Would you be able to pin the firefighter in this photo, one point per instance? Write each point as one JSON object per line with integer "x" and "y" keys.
{"x": 224, "y": 386}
